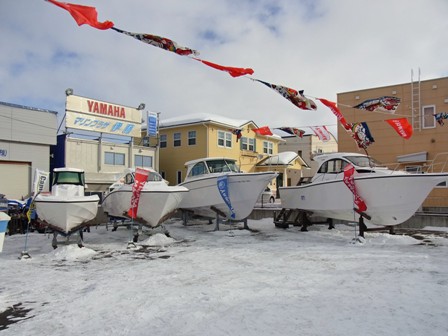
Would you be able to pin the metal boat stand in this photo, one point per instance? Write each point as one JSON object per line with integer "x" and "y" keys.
{"x": 230, "y": 221}
{"x": 363, "y": 228}
{"x": 67, "y": 236}
{"x": 297, "y": 217}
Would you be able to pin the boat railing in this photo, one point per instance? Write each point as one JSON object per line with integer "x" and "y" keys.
{"x": 437, "y": 165}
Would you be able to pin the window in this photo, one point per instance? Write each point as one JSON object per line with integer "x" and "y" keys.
{"x": 116, "y": 159}
{"x": 191, "y": 138}
{"x": 248, "y": 144}
{"x": 163, "y": 174}
{"x": 198, "y": 169}
{"x": 179, "y": 177}
{"x": 176, "y": 138}
{"x": 428, "y": 120}
{"x": 414, "y": 169}
{"x": 224, "y": 139}
{"x": 268, "y": 147}
{"x": 162, "y": 140}
{"x": 143, "y": 161}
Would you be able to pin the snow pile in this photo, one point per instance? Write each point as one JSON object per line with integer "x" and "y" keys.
{"x": 158, "y": 239}
{"x": 71, "y": 253}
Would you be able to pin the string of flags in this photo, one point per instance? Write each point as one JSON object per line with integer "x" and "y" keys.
{"x": 359, "y": 131}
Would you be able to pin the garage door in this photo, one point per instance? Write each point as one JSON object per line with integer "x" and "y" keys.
{"x": 15, "y": 179}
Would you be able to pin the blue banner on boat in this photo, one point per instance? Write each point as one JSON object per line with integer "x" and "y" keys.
{"x": 223, "y": 187}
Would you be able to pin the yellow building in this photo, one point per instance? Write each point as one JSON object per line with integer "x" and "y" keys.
{"x": 420, "y": 100}
{"x": 204, "y": 135}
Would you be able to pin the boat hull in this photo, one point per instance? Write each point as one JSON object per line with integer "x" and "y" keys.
{"x": 155, "y": 204}
{"x": 390, "y": 199}
{"x": 66, "y": 214}
{"x": 204, "y": 198}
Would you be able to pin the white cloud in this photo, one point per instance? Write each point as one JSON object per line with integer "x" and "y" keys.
{"x": 323, "y": 47}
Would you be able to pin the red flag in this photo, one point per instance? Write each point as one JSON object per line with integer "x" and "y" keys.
{"x": 84, "y": 15}
{"x": 234, "y": 72}
{"x": 401, "y": 126}
{"x": 322, "y": 132}
{"x": 265, "y": 130}
{"x": 140, "y": 177}
{"x": 349, "y": 181}
{"x": 332, "y": 106}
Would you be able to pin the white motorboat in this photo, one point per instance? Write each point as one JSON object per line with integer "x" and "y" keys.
{"x": 391, "y": 196}
{"x": 66, "y": 209}
{"x": 218, "y": 187}
{"x": 157, "y": 203}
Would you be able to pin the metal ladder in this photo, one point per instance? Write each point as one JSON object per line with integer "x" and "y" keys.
{"x": 415, "y": 101}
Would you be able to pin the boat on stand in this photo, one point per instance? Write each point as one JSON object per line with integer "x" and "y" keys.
{"x": 218, "y": 188}
{"x": 158, "y": 201}
{"x": 66, "y": 209}
{"x": 391, "y": 196}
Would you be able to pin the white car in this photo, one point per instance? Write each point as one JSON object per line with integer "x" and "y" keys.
{"x": 267, "y": 196}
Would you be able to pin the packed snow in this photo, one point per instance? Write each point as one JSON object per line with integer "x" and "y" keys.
{"x": 192, "y": 280}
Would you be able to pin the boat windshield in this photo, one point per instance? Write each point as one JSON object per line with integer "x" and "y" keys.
{"x": 221, "y": 166}
{"x": 67, "y": 177}
{"x": 152, "y": 177}
{"x": 364, "y": 161}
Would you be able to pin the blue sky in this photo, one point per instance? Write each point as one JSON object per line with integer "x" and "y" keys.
{"x": 323, "y": 47}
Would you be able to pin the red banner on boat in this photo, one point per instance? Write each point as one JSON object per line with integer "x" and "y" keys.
{"x": 401, "y": 126}
{"x": 140, "y": 177}
{"x": 234, "y": 72}
{"x": 84, "y": 15}
{"x": 349, "y": 181}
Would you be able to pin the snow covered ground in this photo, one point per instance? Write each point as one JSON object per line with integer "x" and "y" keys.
{"x": 266, "y": 281}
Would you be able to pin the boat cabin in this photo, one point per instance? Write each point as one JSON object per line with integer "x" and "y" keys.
{"x": 128, "y": 178}
{"x": 210, "y": 166}
{"x": 68, "y": 182}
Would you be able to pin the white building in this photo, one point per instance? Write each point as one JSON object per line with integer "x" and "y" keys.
{"x": 26, "y": 134}
{"x": 306, "y": 147}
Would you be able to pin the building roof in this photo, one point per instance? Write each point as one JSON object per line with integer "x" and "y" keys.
{"x": 27, "y": 107}
{"x": 200, "y": 118}
{"x": 282, "y": 159}
{"x": 197, "y": 118}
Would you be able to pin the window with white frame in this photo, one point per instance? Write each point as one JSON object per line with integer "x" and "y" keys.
{"x": 163, "y": 141}
{"x": 176, "y": 140}
{"x": 428, "y": 120}
{"x": 116, "y": 159}
{"x": 268, "y": 147}
{"x": 224, "y": 139}
{"x": 143, "y": 161}
{"x": 248, "y": 144}
{"x": 191, "y": 138}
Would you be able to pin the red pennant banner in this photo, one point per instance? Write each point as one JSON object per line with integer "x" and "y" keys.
{"x": 140, "y": 177}
{"x": 349, "y": 181}
{"x": 401, "y": 126}
{"x": 265, "y": 130}
{"x": 234, "y": 72}
{"x": 322, "y": 132}
{"x": 332, "y": 106}
{"x": 84, "y": 15}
